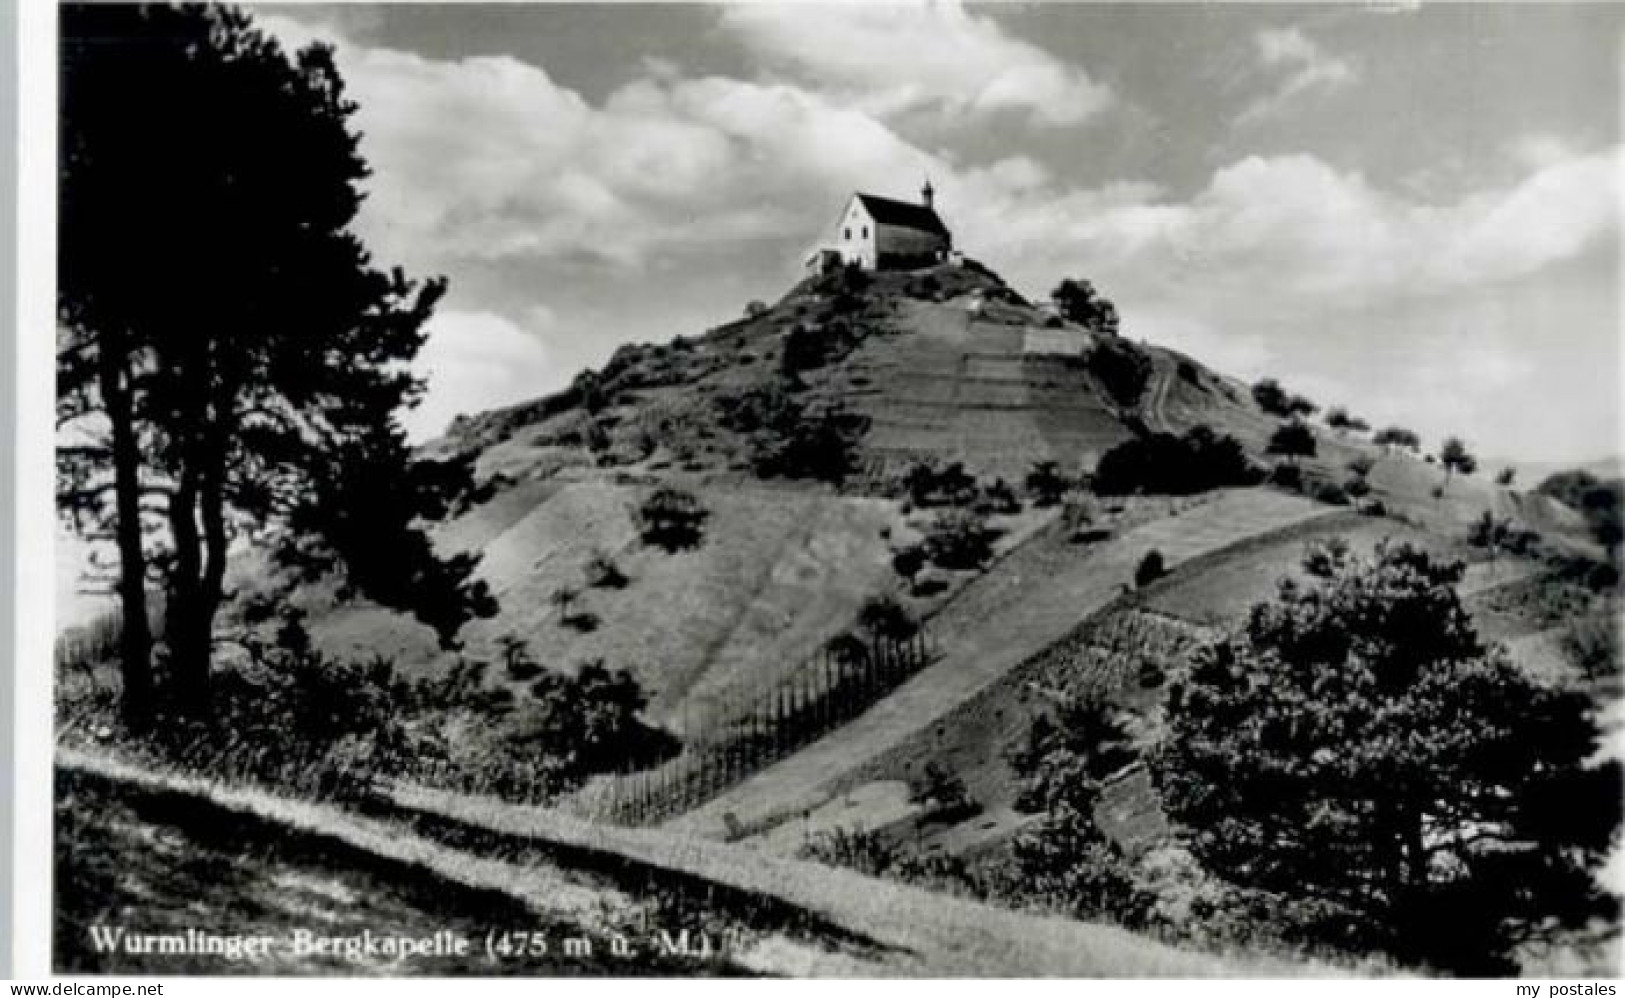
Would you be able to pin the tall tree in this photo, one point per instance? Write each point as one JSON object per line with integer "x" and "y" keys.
{"x": 1392, "y": 438}
{"x": 1358, "y": 753}
{"x": 1292, "y": 440}
{"x": 1079, "y": 302}
{"x": 228, "y": 350}
{"x": 1455, "y": 457}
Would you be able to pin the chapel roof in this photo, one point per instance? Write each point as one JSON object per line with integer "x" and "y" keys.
{"x": 886, "y": 211}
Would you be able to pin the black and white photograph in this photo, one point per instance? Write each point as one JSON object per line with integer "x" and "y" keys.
{"x": 833, "y": 490}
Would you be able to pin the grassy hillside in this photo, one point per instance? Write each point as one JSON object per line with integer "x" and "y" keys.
{"x": 432, "y": 861}
{"x": 1016, "y": 611}
{"x": 938, "y": 369}
{"x": 943, "y": 365}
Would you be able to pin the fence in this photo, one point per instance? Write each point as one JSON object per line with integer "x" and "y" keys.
{"x": 820, "y": 695}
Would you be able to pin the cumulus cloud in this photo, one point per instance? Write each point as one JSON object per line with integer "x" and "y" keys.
{"x": 1410, "y": 310}
{"x": 1315, "y": 235}
{"x": 489, "y": 162}
{"x": 489, "y": 158}
{"x": 1537, "y": 150}
{"x": 900, "y": 59}
{"x": 1298, "y": 66}
{"x": 476, "y": 361}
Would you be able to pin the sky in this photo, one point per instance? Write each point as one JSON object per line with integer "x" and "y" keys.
{"x": 1409, "y": 209}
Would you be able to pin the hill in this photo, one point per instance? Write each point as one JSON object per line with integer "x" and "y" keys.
{"x": 822, "y": 439}
{"x": 934, "y": 367}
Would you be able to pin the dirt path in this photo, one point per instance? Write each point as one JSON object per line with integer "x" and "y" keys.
{"x": 242, "y": 859}
{"x": 920, "y": 933}
{"x": 1034, "y": 598}
{"x": 1162, "y": 379}
{"x": 831, "y": 922}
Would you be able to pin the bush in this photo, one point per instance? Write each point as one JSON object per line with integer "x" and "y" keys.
{"x": 516, "y": 661}
{"x": 1332, "y": 494}
{"x": 1077, "y": 301}
{"x": 1079, "y": 518}
{"x": 1288, "y": 477}
{"x": 563, "y": 599}
{"x": 867, "y": 852}
{"x": 954, "y": 485}
{"x": 1276, "y": 401}
{"x": 959, "y": 539}
{"x": 1063, "y": 860}
{"x": 1164, "y": 464}
{"x": 885, "y": 619}
{"x": 925, "y": 287}
{"x": 1391, "y": 438}
{"x": 1338, "y": 418}
{"x": 1501, "y": 534}
{"x": 671, "y": 519}
{"x": 1292, "y": 440}
{"x": 1152, "y": 674}
{"x": 1270, "y": 396}
{"x": 1150, "y": 569}
{"x": 928, "y": 485}
{"x": 1470, "y": 855}
{"x": 1592, "y": 644}
{"x": 1046, "y": 484}
{"x": 822, "y": 447}
{"x": 1121, "y": 369}
{"x": 941, "y": 786}
{"x": 909, "y": 561}
{"x": 808, "y": 346}
{"x": 302, "y": 722}
{"x": 997, "y": 499}
{"x": 591, "y": 720}
{"x": 603, "y": 573}
{"x": 1601, "y": 503}
{"x": 1453, "y": 454}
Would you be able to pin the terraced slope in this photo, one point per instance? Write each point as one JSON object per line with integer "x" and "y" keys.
{"x": 1031, "y": 600}
{"x": 994, "y": 395}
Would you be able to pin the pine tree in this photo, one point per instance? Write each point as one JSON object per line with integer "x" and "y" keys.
{"x": 220, "y": 319}
{"x": 1358, "y": 750}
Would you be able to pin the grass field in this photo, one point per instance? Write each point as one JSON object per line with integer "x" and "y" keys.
{"x": 921, "y": 933}
{"x": 1032, "y": 599}
{"x": 162, "y": 860}
{"x": 428, "y": 860}
{"x": 777, "y": 574}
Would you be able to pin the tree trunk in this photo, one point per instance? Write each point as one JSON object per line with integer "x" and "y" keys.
{"x": 135, "y": 637}
{"x": 189, "y": 622}
{"x": 200, "y": 558}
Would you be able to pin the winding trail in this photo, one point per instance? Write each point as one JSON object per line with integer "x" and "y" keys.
{"x": 1162, "y": 379}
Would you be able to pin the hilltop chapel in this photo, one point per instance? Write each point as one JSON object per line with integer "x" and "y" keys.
{"x": 879, "y": 233}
